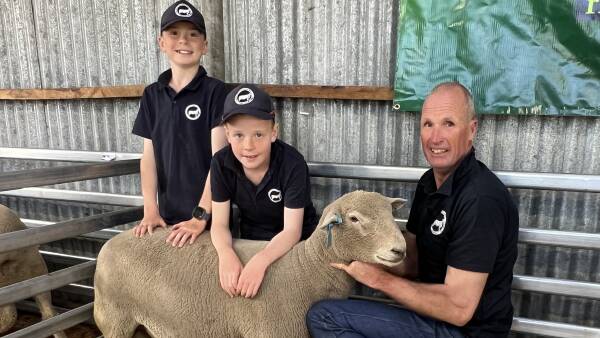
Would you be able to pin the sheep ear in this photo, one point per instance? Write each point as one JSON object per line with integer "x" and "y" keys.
{"x": 329, "y": 217}
{"x": 397, "y": 203}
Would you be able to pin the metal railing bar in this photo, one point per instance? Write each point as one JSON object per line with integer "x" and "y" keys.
{"x": 572, "y": 239}
{"x": 30, "y": 237}
{"x": 580, "y": 240}
{"x": 104, "y": 234}
{"x": 513, "y": 179}
{"x": 25, "y": 289}
{"x": 71, "y": 258}
{"x": 49, "y": 326}
{"x": 522, "y": 180}
{"x": 77, "y": 196}
{"x": 54, "y": 175}
{"x": 553, "y": 329}
{"x": 557, "y": 286}
{"x": 65, "y": 155}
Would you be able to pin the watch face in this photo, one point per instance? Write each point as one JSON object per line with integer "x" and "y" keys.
{"x": 198, "y": 212}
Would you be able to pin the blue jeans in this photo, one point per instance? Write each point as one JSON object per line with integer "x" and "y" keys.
{"x": 359, "y": 318}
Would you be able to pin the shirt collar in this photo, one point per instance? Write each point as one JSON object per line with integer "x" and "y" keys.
{"x": 165, "y": 77}
{"x": 465, "y": 166}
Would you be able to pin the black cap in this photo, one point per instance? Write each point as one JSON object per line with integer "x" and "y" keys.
{"x": 248, "y": 99}
{"x": 182, "y": 11}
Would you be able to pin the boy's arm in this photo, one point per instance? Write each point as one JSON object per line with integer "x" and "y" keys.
{"x": 229, "y": 263}
{"x": 188, "y": 231}
{"x": 149, "y": 179}
{"x": 253, "y": 273}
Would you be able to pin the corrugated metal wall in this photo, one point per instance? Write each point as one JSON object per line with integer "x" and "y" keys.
{"x": 89, "y": 43}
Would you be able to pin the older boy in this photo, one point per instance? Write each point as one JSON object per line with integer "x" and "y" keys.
{"x": 268, "y": 180}
{"x": 179, "y": 120}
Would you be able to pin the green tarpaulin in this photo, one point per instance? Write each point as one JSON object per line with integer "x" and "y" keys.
{"x": 516, "y": 56}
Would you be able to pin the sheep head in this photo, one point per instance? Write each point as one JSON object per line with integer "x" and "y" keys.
{"x": 360, "y": 226}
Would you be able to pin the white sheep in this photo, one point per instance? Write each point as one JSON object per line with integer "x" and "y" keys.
{"x": 17, "y": 266}
{"x": 176, "y": 292}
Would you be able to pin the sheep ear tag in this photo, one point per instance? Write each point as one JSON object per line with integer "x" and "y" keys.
{"x": 335, "y": 221}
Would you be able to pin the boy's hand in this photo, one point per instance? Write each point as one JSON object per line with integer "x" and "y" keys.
{"x": 148, "y": 223}
{"x": 229, "y": 272}
{"x": 186, "y": 231}
{"x": 252, "y": 276}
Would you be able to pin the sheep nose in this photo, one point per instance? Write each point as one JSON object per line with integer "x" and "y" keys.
{"x": 400, "y": 253}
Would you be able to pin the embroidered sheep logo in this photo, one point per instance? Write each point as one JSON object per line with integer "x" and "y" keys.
{"x": 437, "y": 227}
{"x": 193, "y": 112}
{"x": 274, "y": 195}
{"x": 244, "y": 96}
{"x": 183, "y": 10}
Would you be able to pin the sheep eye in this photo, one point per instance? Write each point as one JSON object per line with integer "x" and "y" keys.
{"x": 353, "y": 219}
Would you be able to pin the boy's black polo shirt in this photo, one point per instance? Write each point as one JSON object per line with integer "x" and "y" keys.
{"x": 470, "y": 223}
{"x": 179, "y": 125}
{"x": 286, "y": 184}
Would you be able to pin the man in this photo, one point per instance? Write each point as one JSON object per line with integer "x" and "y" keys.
{"x": 461, "y": 244}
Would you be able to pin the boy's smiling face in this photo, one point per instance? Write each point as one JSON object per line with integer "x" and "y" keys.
{"x": 183, "y": 44}
{"x": 250, "y": 140}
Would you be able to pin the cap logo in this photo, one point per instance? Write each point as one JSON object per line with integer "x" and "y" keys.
{"x": 437, "y": 227}
{"x": 274, "y": 195}
{"x": 244, "y": 96}
{"x": 193, "y": 112}
{"x": 183, "y": 10}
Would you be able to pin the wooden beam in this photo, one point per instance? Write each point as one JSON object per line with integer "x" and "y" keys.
{"x": 135, "y": 91}
{"x": 330, "y": 92}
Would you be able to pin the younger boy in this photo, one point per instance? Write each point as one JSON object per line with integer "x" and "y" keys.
{"x": 179, "y": 120}
{"x": 268, "y": 180}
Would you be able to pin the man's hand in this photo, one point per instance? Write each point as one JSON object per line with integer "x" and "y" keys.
{"x": 252, "y": 277}
{"x": 186, "y": 231}
{"x": 229, "y": 272}
{"x": 148, "y": 223}
{"x": 364, "y": 273}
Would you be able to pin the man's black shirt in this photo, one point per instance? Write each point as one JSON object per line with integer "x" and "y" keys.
{"x": 179, "y": 125}
{"x": 286, "y": 184}
{"x": 470, "y": 223}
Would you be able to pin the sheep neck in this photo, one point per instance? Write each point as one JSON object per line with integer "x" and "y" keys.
{"x": 313, "y": 255}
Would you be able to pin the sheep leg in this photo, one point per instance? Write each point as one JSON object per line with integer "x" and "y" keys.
{"x": 44, "y": 303}
{"x": 8, "y": 317}
{"x": 113, "y": 322}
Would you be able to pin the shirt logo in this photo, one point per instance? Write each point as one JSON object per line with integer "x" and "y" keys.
{"x": 244, "y": 96}
{"x": 437, "y": 227}
{"x": 183, "y": 10}
{"x": 274, "y": 195}
{"x": 193, "y": 112}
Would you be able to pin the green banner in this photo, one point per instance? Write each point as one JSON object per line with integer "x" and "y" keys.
{"x": 516, "y": 56}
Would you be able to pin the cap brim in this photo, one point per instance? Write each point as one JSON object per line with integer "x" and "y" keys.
{"x": 261, "y": 115}
{"x": 170, "y": 23}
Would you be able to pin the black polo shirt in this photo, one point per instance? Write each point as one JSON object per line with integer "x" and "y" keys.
{"x": 470, "y": 223}
{"x": 286, "y": 184}
{"x": 179, "y": 125}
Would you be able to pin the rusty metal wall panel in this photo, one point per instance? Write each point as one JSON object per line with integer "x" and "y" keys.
{"x": 19, "y": 67}
{"x": 310, "y": 42}
{"x": 86, "y": 43}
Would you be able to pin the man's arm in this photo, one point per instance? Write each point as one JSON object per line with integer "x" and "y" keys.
{"x": 453, "y": 302}
{"x": 189, "y": 230}
{"x": 254, "y": 271}
{"x": 149, "y": 180}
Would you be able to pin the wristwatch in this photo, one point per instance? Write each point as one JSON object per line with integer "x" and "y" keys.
{"x": 200, "y": 214}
